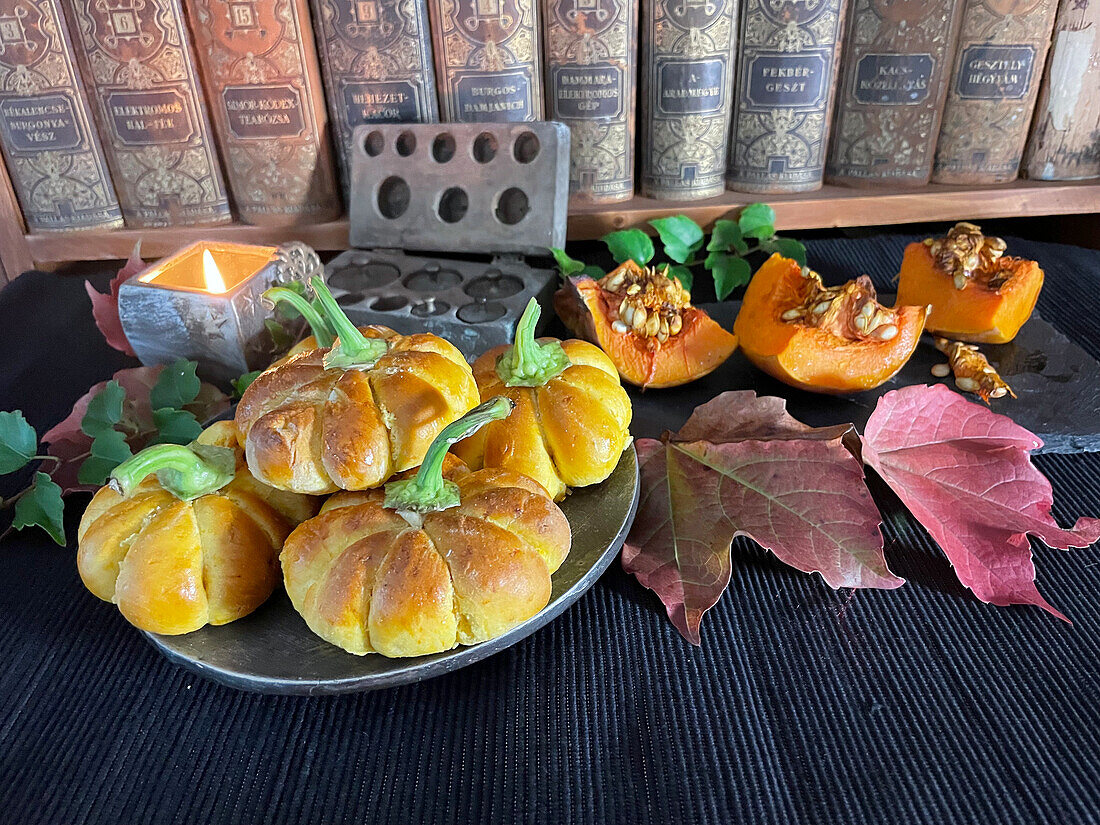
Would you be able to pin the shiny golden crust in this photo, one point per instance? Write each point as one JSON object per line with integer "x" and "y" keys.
{"x": 568, "y": 433}
{"x": 366, "y": 580}
{"x": 173, "y": 566}
{"x": 312, "y": 430}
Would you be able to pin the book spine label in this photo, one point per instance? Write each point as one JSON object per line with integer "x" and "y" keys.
{"x": 51, "y": 148}
{"x": 994, "y": 83}
{"x": 689, "y": 50}
{"x": 376, "y": 60}
{"x": 487, "y": 60}
{"x": 264, "y": 87}
{"x": 1065, "y": 137}
{"x": 591, "y": 51}
{"x": 136, "y": 60}
{"x": 893, "y": 82}
{"x": 787, "y": 72}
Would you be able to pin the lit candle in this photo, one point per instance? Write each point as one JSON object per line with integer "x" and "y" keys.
{"x": 203, "y": 303}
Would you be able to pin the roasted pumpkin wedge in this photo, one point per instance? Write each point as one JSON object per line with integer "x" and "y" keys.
{"x": 977, "y": 293}
{"x": 646, "y": 324}
{"x": 823, "y": 339}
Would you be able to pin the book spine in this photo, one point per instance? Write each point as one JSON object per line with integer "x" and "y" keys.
{"x": 787, "y": 73}
{"x": 1065, "y": 137}
{"x": 590, "y": 66}
{"x": 487, "y": 61}
{"x": 994, "y": 83}
{"x": 51, "y": 148}
{"x": 376, "y": 60}
{"x": 689, "y": 52}
{"x": 137, "y": 65}
{"x": 893, "y": 81}
{"x": 263, "y": 84}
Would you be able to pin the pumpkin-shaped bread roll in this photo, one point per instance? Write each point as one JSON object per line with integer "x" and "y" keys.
{"x": 572, "y": 416}
{"x": 351, "y": 415}
{"x": 185, "y": 536}
{"x": 446, "y": 558}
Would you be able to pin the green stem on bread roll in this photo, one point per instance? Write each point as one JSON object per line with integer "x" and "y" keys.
{"x": 352, "y": 349}
{"x": 186, "y": 472}
{"x": 530, "y": 363}
{"x": 429, "y": 491}
{"x": 317, "y": 324}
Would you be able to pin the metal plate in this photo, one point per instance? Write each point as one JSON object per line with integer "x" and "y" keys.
{"x": 273, "y": 651}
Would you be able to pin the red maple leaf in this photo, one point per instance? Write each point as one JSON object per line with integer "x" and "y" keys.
{"x": 105, "y": 304}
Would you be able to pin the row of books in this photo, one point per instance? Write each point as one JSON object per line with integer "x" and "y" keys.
{"x": 166, "y": 112}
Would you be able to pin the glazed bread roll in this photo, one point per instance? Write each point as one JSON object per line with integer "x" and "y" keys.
{"x": 173, "y": 566}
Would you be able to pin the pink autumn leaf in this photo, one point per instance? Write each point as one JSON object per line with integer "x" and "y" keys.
{"x": 741, "y": 466}
{"x": 105, "y": 305}
{"x": 965, "y": 474}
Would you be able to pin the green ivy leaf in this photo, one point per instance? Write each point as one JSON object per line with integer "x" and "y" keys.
{"x": 727, "y": 235}
{"x": 593, "y": 271}
{"x": 175, "y": 426}
{"x": 18, "y": 441}
{"x": 177, "y": 385}
{"x": 280, "y": 338}
{"x": 757, "y": 220}
{"x": 568, "y": 266}
{"x": 681, "y": 274}
{"x": 104, "y": 410}
{"x": 243, "y": 382}
{"x": 728, "y": 272}
{"x": 108, "y": 451}
{"x": 680, "y": 235}
{"x": 790, "y": 248}
{"x": 42, "y": 506}
{"x": 630, "y": 244}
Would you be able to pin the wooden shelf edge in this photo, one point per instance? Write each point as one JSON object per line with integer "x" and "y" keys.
{"x": 828, "y": 207}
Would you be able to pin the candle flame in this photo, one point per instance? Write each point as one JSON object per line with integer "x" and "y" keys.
{"x": 211, "y": 274}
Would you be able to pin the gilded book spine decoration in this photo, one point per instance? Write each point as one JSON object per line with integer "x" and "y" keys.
{"x": 1065, "y": 137}
{"x": 487, "y": 60}
{"x": 591, "y": 47}
{"x": 136, "y": 60}
{"x": 1002, "y": 47}
{"x": 51, "y": 148}
{"x": 893, "y": 80}
{"x": 787, "y": 71}
{"x": 689, "y": 50}
{"x": 264, "y": 89}
{"x": 376, "y": 59}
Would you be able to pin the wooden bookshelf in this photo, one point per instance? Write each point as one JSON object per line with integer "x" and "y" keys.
{"x": 831, "y": 206}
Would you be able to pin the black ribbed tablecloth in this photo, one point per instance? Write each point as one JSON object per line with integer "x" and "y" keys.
{"x": 804, "y": 705}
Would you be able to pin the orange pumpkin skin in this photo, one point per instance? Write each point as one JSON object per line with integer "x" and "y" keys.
{"x": 814, "y": 358}
{"x": 700, "y": 346}
{"x": 976, "y": 313}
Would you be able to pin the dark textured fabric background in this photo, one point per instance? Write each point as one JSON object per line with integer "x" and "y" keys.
{"x": 803, "y": 705}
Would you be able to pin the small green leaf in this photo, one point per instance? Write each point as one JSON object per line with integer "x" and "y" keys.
{"x": 680, "y": 235}
{"x": 108, "y": 451}
{"x": 630, "y": 244}
{"x": 681, "y": 274}
{"x": 729, "y": 273}
{"x": 757, "y": 220}
{"x": 104, "y": 410}
{"x": 790, "y": 248}
{"x": 18, "y": 441}
{"x": 727, "y": 235}
{"x": 280, "y": 338}
{"x": 176, "y": 385}
{"x": 568, "y": 266}
{"x": 42, "y": 506}
{"x": 175, "y": 426}
{"x": 593, "y": 271}
{"x": 243, "y": 382}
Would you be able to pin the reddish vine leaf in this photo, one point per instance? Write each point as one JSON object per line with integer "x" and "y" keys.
{"x": 69, "y": 443}
{"x": 965, "y": 474}
{"x": 742, "y": 466}
{"x": 105, "y": 304}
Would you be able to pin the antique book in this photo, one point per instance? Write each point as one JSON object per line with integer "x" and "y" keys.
{"x": 893, "y": 80}
{"x": 487, "y": 63}
{"x": 787, "y": 83}
{"x": 376, "y": 60}
{"x": 591, "y": 50}
{"x": 51, "y": 148}
{"x": 689, "y": 51}
{"x": 991, "y": 96}
{"x": 1065, "y": 134}
{"x": 135, "y": 57}
{"x": 264, "y": 90}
